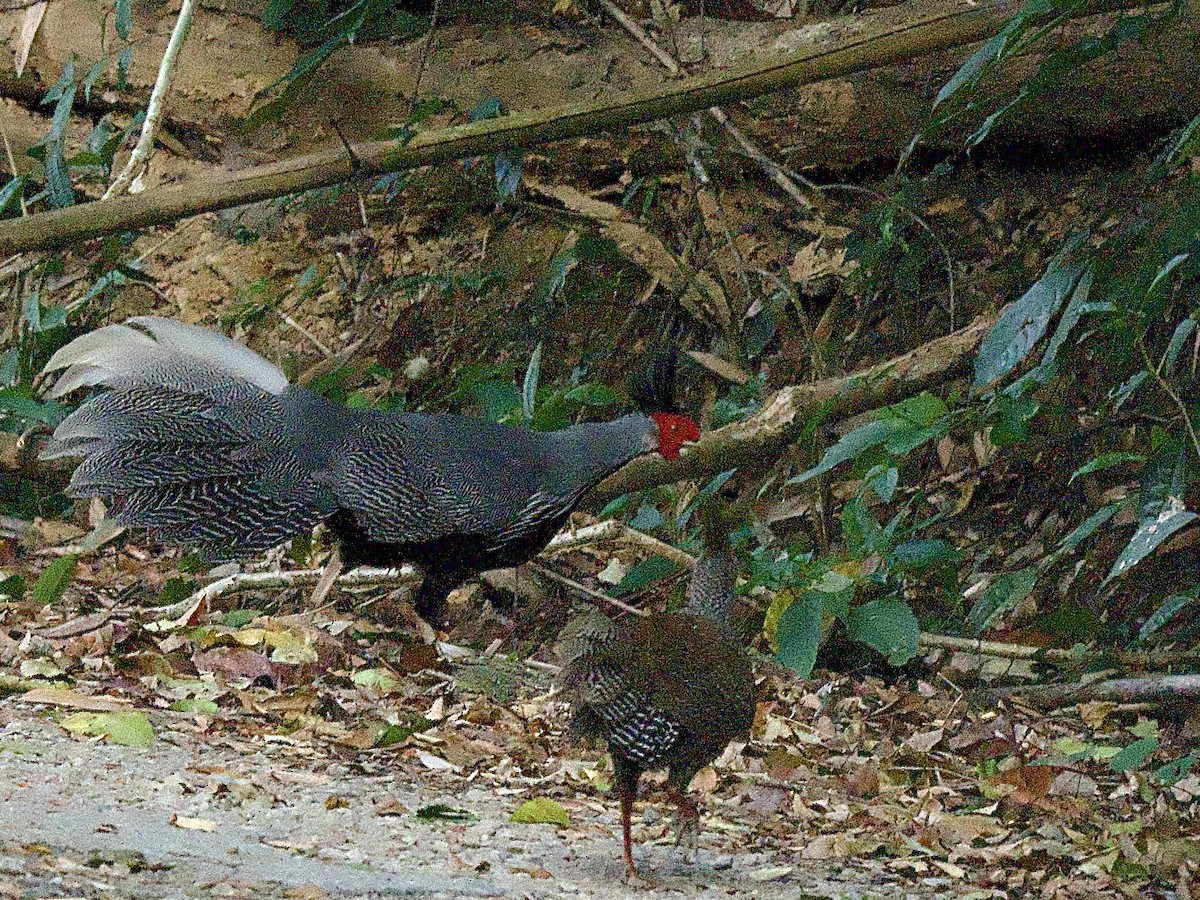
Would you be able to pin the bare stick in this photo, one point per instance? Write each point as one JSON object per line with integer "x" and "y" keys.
{"x": 775, "y": 172}
{"x": 140, "y": 157}
{"x": 425, "y": 51}
{"x": 591, "y": 593}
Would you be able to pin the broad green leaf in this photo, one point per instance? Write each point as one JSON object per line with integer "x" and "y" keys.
{"x": 499, "y": 399}
{"x": 1176, "y": 769}
{"x": 888, "y": 626}
{"x": 1025, "y": 321}
{"x": 291, "y": 648}
{"x": 541, "y": 811}
{"x": 201, "y": 706}
{"x": 14, "y": 402}
{"x": 1183, "y": 331}
{"x": 1105, "y": 461}
{"x": 798, "y": 634}
{"x": 128, "y": 729}
{"x": 529, "y": 391}
{"x": 593, "y": 394}
{"x": 919, "y": 554}
{"x": 377, "y": 679}
{"x": 1002, "y": 595}
{"x": 54, "y": 580}
{"x": 849, "y": 446}
{"x": 645, "y": 573}
{"x": 12, "y": 588}
{"x": 648, "y": 518}
{"x": 1151, "y": 532}
{"x": 1134, "y": 755}
{"x": 1088, "y": 527}
{"x": 1169, "y": 608}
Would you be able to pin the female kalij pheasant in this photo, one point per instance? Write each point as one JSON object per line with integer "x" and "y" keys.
{"x": 203, "y": 441}
{"x": 670, "y": 691}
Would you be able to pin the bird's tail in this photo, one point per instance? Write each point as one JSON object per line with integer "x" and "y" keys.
{"x": 192, "y": 439}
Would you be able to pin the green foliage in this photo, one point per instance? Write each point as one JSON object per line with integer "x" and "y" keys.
{"x": 126, "y": 729}
{"x": 54, "y": 580}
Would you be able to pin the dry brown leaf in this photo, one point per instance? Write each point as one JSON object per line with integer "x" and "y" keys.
{"x": 74, "y": 700}
{"x": 29, "y": 29}
{"x": 924, "y": 741}
{"x": 721, "y": 367}
{"x": 704, "y": 781}
{"x": 813, "y": 260}
{"x": 192, "y": 824}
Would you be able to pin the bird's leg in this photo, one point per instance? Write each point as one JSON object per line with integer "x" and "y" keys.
{"x": 625, "y": 783}
{"x": 687, "y": 819}
{"x": 631, "y": 871}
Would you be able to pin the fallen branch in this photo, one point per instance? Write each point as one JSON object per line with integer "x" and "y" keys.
{"x": 765, "y": 435}
{"x": 1063, "y": 656}
{"x": 368, "y": 576}
{"x": 1160, "y": 689}
{"x": 523, "y": 129}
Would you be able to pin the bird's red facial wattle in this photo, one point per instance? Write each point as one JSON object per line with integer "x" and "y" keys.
{"x": 674, "y": 431}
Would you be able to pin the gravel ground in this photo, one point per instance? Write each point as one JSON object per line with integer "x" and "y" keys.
{"x": 83, "y": 818}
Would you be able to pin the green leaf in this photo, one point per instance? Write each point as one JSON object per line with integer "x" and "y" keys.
{"x": 124, "y": 18}
{"x": 440, "y": 811}
{"x": 1176, "y": 769}
{"x": 239, "y": 618}
{"x": 1025, "y": 321}
{"x": 541, "y": 811}
{"x": 11, "y": 193}
{"x": 645, "y": 573}
{"x": 888, "y": 626}
{"x": 992, "y": 51}
{"x": 529, "y": 390}
{"x": 1088, "y": 527}
{"x": 12, "y": 588}
{"x": 378, "y": 679}
{"x": 1002, "y": 595}
{"x": 798, "y": 634}
{"x": 14, "y": 402}
{"x": 1151, "y": 532}
{"x": 593, "y": 394}
{"x": 499, "y": 399}
{"x": 919, "y": 554}
{"x": 197, "y": 705}
{"x": 849, "y": 446}
{"x": 1183, "y": 331}
{"x": 1105, "y": 461}
{"x": 1134, "y": 755}
{"x": 54, "y": 580}
{"x": 1169, "y": 609}
{"x": 127, "y": 729}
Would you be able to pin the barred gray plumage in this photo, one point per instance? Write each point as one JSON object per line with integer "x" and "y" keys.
{"x": 206, "y": 443}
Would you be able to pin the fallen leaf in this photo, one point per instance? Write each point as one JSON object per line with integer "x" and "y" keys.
{"x": 721, "y": 367}
{"x": 541, "y": 810}
{"x": 704, "y": 781}
{"x": 74, "y": 699}
{"x": 127, "y": 729}
{"x": 193, "y": 824}
{"x": 772, "y": 873}
{"x": 924, "y": 741}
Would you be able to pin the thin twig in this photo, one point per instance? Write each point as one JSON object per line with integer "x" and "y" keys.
{"x": 587, "y": 591}
{"x": 425, "y": 51}
{"x": 773, "y": 171}
{"x": 140, "y": 157}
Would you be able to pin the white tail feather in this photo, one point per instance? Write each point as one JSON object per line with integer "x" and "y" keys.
{"x": 118, "y": 352}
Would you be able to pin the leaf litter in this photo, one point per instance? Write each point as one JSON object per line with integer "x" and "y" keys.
{"x": 894, "y": 784}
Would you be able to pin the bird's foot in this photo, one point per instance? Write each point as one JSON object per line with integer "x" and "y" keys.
{"x": 635, "y": 879}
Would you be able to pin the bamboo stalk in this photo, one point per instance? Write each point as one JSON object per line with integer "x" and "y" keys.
{"x": 523, "y": 129}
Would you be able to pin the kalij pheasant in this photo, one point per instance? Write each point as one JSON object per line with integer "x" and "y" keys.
{"x": 667, "y": 692}
{"x": 205, "y": 443}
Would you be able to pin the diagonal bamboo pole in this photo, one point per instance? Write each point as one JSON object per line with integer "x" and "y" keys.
{"x": 939, "y": 31}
